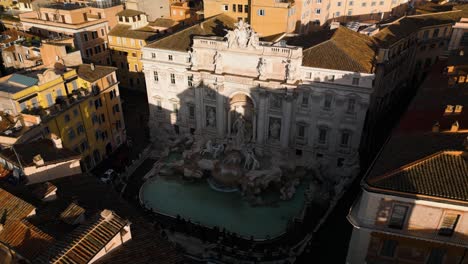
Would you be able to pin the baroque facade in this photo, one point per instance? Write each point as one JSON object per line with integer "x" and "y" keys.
{"x": 239, "y": 89}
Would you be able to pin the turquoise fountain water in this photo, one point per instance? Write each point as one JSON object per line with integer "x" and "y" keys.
{"x": 201, "y": 204}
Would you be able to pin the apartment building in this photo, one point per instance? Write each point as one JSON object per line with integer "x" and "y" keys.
{"x": 154, "y": 8}
{"x": 125, "y": 41}
{"x": 82, "y": 107}
{"x": 414, "y": 204}
{"x": 87, "y": 24}
{"x": 186, "y": 12}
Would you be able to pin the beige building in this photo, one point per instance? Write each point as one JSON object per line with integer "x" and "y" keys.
{"x": 88, "y": 25}
{"x": 275, "y": 17}
{"x": 414, "y": 203}
{"x": 459, "y": 39}
{"x": 40, "y": 161}
{"x": 154, "y": 8}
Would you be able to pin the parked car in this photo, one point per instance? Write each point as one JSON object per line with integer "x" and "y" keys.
{"x": 108, "y": 176}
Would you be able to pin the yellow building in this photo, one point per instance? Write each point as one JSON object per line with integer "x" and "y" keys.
{"x": 266, "y": 17}
{"x": 80, "y": 106}
{"x": 125, "y": 41}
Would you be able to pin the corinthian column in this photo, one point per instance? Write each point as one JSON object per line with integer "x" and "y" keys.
{"x": 261, "y": 117}
{"x": 220, "y": 112}
{"x": 286, "y": 124}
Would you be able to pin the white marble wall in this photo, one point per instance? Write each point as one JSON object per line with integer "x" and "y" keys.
{"x": 302, "y": 97}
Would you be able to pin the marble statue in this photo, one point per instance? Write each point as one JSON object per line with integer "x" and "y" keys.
{"x": 193, "y": 58}
{"x": 231, "y": 38}
{"x": 218, "y": 149}
{"x": 251, "y": 163}
{"x": 211, "y": 117}
{"x": 218, "y": 61}
{"x": 275, "y": 128}
{"x": 242, "y": 33}
{"x": 239, "y": 128}
{"x": 210, "y": 93}
{"x": 290, "y": 70}
{"x": 254, "y": 40}
{"x": 208, "y": 148}
{"x": 261, "y": 68}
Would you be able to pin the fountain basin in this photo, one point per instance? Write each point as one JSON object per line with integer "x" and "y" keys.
{"x": 198, "y": 202}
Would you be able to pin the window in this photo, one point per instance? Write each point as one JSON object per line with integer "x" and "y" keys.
{"x": 397, "y": 219}
{"x": 191, "y": 109}
{"x": 381, "y": 3}
{"x": 338, "y": 3}
{"x": 59, "y": 93}
{"x": 355, "y": 81}
{"x": 172, "y": 78}
{"x": 246, "y": 8}
{"x": 322, "y": 139}
{"x": 71, "y": 134}
{"x": 136, "y": 67}
{"x": 80, "y": 129}
{"x": 75, "y": 112}
{"x": 388, "y": 248}
{"x": 305, "y": 100}
{"x": 233, "y": 7}
{"x": 345, "y": 137}
{"x": 116, "y": 109}
{"x": 102, "y": 32}
{"x": 190, "y": 80}
{"x": 85, "y": 35}
{"x": 23, "y": 106}
{"x": 239, "y": 8}
{"x": 317, "y": 11}
{"x": 449, "y": 223}
{"x": 261, "y": 12}
{"x": 225, "y": 7}
{"x": 435, "y": 34}
{"x": 337, "y": 14}
{"x": 175, "y": 108}
{"x": 118, "y": 124}
{"x": 319, "y": 1}
{"x": 330, "y": 78}
{"x": 158, "y": 105}
{"x": 155, "y": 75}
{"x": 351, "y": 105}
{"x": 327, "y": 102}
{"x": 350, "y": 12}
{"x": 153, "y": 55}
{"x": 67, "y": 118}
{"x": 50, "y": 101}
{"x": 426, "y": 34}
{"x": 436, "y": 256}
{"x": 373, "y": 3}
{"x": 103, "y": 118}
{"x": 301, "y": 131}
{"x": 350, "y": 3}
{"x": 364, "y": 4}
{"x": 169, "y": 57}
{"x": 340, "y": 162}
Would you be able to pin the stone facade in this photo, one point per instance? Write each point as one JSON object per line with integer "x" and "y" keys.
{"x": 224, "y": 83}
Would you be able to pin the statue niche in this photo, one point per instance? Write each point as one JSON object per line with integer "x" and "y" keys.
{"x": 241, "y": 118}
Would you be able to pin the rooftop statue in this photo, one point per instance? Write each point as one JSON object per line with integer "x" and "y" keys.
{"x": 243, "y": 36}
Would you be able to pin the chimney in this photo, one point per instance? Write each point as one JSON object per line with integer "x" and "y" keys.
{"x": 454, "y": 127}
{"x": 38, "y": 160}
{"x": 334, "y": 25}
{"x": 92, "y": 66}
{"x": 57, "y": 141}
{"x": 436, "y": 127}
{"x": 106, "y": 214}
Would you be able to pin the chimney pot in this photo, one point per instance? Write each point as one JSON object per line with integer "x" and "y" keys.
{"x": 92, "y": 66}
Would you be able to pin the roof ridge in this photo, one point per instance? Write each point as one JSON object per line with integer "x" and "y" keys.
{"x": 432, "y": 14}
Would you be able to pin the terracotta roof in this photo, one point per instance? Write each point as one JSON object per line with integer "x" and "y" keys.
{"x": 86, "y": 240}
{"x": 413, "y": 140}
{"x": 411, "y": 24}
{"x": 444, "y": 174}
{"x": 129, "y": 13}
{"x": 71, "y": 213}
{"x": 14, "y": 35}
{"x": 163, "y": 22}
{"x": 25, "y": 153}
{"x": 17, "y": 233}
{"x": 339, "y": 49}
{"x": 181, "y": 40}
{"x": 41, "y": 190}
{"x": 125, "y": 31}
{"x": 84, "y": 71}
